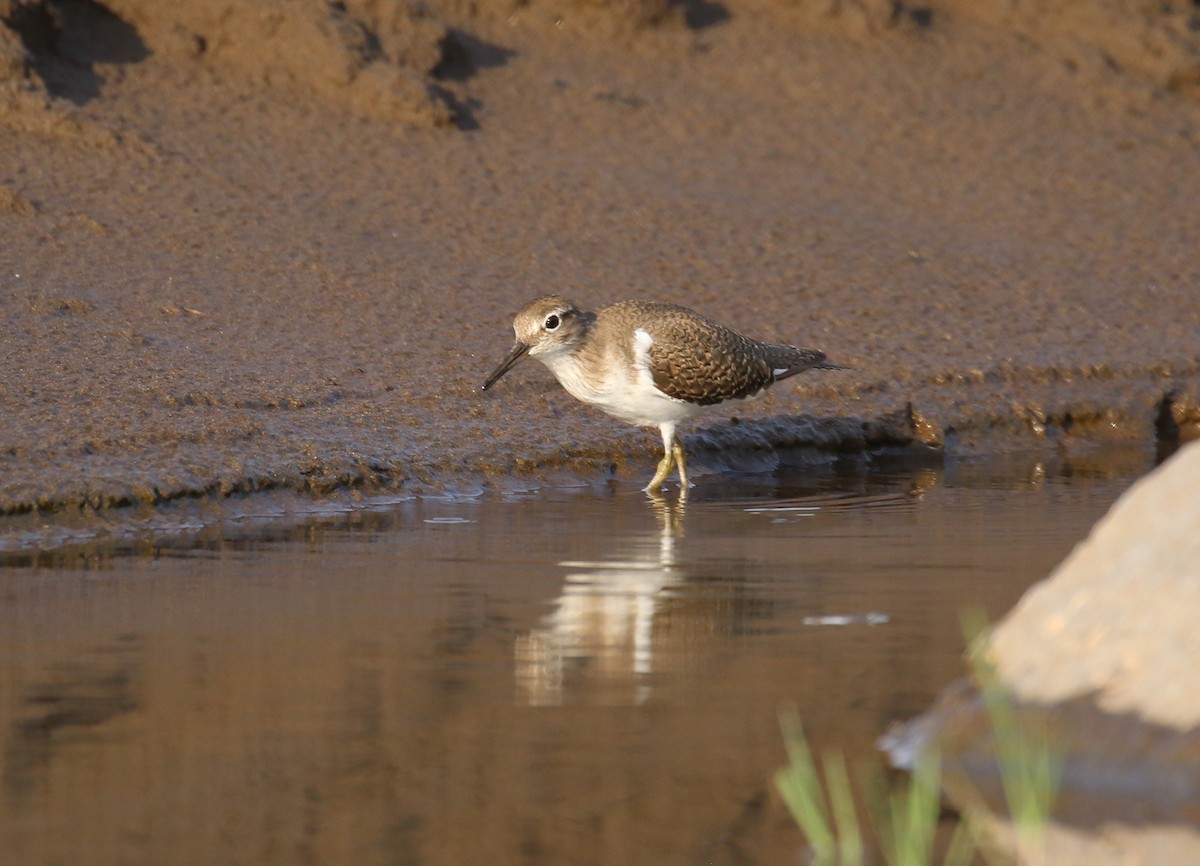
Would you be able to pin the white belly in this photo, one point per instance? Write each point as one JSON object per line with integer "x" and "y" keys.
{"x": 631, "y": 398}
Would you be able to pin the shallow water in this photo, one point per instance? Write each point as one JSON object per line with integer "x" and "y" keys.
{"x": 564, "y": 676}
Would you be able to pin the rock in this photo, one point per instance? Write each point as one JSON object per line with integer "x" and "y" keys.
{"x": 1119, "y": 617}
{"x": 1102, "y": 654}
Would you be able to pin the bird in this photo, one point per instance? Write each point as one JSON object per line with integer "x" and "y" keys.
{"x": 650, "y": 363}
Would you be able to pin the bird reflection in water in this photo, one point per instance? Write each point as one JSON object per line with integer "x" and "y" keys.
{"x": 603, "y": 621}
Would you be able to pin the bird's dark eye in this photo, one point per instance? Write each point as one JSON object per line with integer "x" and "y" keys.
{"x": 552, "y": 322}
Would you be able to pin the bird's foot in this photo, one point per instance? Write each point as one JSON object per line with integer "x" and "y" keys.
{"x": 681, "y": 465}
{"x": 660, "y": 475}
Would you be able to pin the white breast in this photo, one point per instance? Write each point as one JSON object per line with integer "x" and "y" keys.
{"x": 611, "y": 385}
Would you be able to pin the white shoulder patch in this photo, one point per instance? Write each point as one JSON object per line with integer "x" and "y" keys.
{"x": 642, "y": 341}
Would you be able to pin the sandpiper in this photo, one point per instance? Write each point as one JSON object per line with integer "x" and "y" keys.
{"x": 649, "y": 363}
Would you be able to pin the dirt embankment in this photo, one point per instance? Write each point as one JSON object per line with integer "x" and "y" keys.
{"x": 276, "y": 245}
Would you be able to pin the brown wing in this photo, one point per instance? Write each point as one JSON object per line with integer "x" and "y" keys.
{"x": 790, "y": 360}
{"x": 702, "y": 362}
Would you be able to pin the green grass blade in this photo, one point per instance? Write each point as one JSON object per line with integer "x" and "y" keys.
{"x": 845, "y": 812}
{"x": 800, "y": 787}
{"x": 921, "y": 804}
{"x": 961, "y": 850}
{"x": 1030, "y": 761}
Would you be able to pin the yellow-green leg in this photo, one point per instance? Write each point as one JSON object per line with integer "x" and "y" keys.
{"x": 672, "y": 458}
{"x": 663, "y": 472}
{"x": 680, "y": 464}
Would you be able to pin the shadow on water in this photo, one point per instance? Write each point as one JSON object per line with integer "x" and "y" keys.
{"x": 77, "y": 696}
{"x": 576, "y": 675}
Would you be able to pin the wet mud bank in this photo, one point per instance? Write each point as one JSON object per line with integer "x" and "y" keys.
{"x": 257, "y": 459}
{"x": 126, "y": 498}
{"x": 272, "y": 249}
{"x": 209, "y": 456}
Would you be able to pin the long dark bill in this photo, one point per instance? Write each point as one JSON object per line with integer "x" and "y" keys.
{"x": 515, "y": 354}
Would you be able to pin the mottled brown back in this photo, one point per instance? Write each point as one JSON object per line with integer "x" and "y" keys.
{"x": 699, "y": 361}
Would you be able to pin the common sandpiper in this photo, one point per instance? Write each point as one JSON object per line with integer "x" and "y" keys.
{"x": 651, "y": 364}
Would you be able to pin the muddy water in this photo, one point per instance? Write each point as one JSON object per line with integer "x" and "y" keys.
{"x": 558, "y": 676}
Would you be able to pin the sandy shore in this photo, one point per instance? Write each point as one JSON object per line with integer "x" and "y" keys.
{"x": 277, "y": 246}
